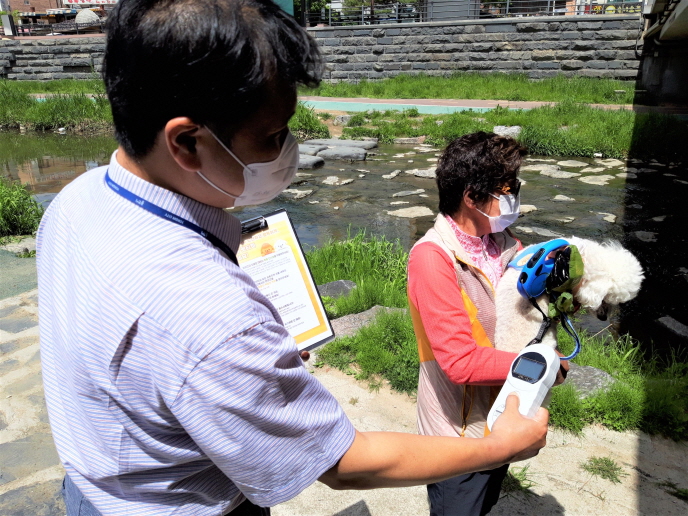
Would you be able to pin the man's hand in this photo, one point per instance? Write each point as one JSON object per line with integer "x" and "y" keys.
{"x": 563, "y": 369}
{"x": 521, "y": 437}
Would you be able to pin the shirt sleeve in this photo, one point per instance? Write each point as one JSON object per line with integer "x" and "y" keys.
{"x": 261, "y": 417}
{"x": 435, "y": 293}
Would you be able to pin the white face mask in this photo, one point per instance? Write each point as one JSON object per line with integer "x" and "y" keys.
{"x": 263, "y": 181}
{"x": 509, "y": 210}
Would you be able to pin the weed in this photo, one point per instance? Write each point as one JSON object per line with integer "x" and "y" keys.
{"x": 20, "y": 214}
{"x": 566, "y": 409}
{"x": 324, "y": 116}
{"x": 674, "y": 490}
{"x": 305, "y": 124}
{"x": 604, "y": 467}
{"x": 517, "y": 481}
{"x": 356, "y": 120}
{"x": 353, "y": 401}
{"x": 27, "y": 254}
{"x": 384, "y": 349}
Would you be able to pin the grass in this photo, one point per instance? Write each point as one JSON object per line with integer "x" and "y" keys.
{"x": 565, "y": 129}
{"x": 20, "y": 214}
{"x": 63, "y": 86}
{"x": 674, "y": 490}
{"x": 376, "y": 265}
{"x": 517, "y": 481}
{"x": 604, "y": 467}
{"x": 305, "y": 124}
{"x": 485, "y": 86}
{"x": 646, "y": 394}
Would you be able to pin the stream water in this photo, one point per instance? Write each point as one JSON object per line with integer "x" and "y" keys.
{"x": 644, "y": 208}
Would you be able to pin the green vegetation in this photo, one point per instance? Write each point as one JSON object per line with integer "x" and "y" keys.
{"x": 60, "y": 86}
{"x": 646, "y": 394}
{"x": 385, "y": 349}
{"x": 20, "y": 214}
{"x": 674, "y": 490}
{"x": 305, "y": 124}
{"x": 517, "y": 481}
{"x": 20, "y": 148}
{"x": 485, "y": 86}
{"x": 565, "y": 129}
{"x": 604, "y": 467}
{"x": 376, "y": 265}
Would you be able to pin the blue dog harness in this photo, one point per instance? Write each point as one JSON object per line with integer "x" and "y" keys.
{"x": 536, "y": 265}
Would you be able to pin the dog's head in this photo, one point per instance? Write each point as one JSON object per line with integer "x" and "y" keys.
{"x": 612, "y": 275}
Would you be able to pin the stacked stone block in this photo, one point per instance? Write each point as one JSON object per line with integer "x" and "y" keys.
{"x": 51, "y": 58}
{"x": 589, "y": 46}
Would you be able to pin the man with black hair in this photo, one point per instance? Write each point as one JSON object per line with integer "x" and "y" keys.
{"x": 172, "y": 385}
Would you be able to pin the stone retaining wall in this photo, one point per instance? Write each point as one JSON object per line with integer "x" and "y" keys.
{"x": 51, "y": 58}
{"x": 590, "y": 46}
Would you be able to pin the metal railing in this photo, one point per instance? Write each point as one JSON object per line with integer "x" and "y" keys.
{"x": 444, "y": 10}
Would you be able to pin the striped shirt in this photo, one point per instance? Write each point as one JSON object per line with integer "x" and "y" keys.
{"x": 172, "y": 386}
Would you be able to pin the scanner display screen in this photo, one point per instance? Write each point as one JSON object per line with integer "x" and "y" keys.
{"x": 529, "y": 370}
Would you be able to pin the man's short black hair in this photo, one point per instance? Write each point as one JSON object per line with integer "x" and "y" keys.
{"x": 209, "y": 60}
{"x": 479, "y": 162}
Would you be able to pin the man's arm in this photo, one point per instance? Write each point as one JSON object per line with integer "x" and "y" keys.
{"x": 387, "y": 459}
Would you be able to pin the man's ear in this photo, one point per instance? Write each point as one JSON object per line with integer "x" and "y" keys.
{"x": 180, "y": 137}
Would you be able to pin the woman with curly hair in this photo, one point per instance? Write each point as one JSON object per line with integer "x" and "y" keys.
{"x": 452, "y": 275}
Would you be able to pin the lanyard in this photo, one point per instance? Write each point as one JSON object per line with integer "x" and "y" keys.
{"x": 164, "y": 214}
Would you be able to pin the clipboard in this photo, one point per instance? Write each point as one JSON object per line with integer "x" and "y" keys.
{"x": 271, "y": 253}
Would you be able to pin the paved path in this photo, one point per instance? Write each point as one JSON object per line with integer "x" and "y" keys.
{"x": 440, "y": 106}
{"x": 30, "y": 472}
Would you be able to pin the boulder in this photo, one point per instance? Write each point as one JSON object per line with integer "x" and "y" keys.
{"x": 673, "y": 325}
{"x": 25, "y": 245}
{"x": 607, "y": 217}
{"x": 406, "y": 193}
{"x": 310, "y": 162}
{"x": 587, "y": 379}
{"x": 311, "y": 150}
{"x": 342, "y": 119}
{"x": 412, "y": 213}
{"x": 527, "y": 208}
{"x": 334, "y": 142}
{"x": 645, "y": 236}
{"x": 507, "y": 130}
{"x": 353, "y": 153}
{"x": 596, "y": 180}
{"x": 335, "y": 289}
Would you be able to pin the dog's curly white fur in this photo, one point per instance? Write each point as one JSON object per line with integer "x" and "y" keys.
{"x": 612, "y": 275}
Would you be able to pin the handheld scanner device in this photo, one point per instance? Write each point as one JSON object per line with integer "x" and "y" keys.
{"x": 535, "y": 264}
{"x": 531, "y": 376}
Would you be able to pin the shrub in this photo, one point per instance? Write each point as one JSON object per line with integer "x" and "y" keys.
{"x": 20, "y": 214}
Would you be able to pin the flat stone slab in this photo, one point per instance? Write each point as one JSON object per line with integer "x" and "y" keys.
{"x": 342, "y": 152}
{"x": 409, "y": 141}
{"x": 311, "y": 150}
{"x": 626, "y": 175}
{"x": 645, "y": 236}
{"x": 335, "y": 142}
{"x": 430, "y": 173}
{"x": 528, "y": 208}
{"x": 572, "y": 163}
{"x": 307, "y": 162}
{"x": 335, "y": 181}
{"x": 610, "y": 163}
{"x": 335, "y": 289}
{"x": 587, "y": 379}
{"x": 539, "y": 231}
{"x": 672, "y": 324}
{"x": 592, "y": 170}
{"x": 391, "y": 175}
{"x": 566, "y": 220}
{"x": 24, "y": 245}
{"x": 44, "y": 199}
{"x": 596, "y": 180}
{"x": 563, "y": 198}
{"x": 406, "y": 193}
{"x": 540, "y": 167}
{"x": 607, "y": 217}
{"x": 559, "y": 174}
{"x": 297, "y": 194}
{"x": 412, "y": 213}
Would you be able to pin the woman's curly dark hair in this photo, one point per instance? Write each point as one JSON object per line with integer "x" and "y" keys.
{"x": 479, "y": 162}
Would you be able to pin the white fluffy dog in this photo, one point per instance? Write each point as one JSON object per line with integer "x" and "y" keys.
{"x": 612, "y": 275}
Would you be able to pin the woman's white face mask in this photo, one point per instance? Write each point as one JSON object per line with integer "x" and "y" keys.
{"x": 263, "y": 181}
{"x": 509, "y": 210}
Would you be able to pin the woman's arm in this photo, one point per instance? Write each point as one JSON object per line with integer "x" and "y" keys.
{"x": 434, "y": 292}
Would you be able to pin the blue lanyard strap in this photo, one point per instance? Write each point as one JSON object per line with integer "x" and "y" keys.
{"x": 164, "y": 214}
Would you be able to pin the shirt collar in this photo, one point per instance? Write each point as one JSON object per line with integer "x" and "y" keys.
{"x": 473, "y": 245}
{"x": 214, "y": 220}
